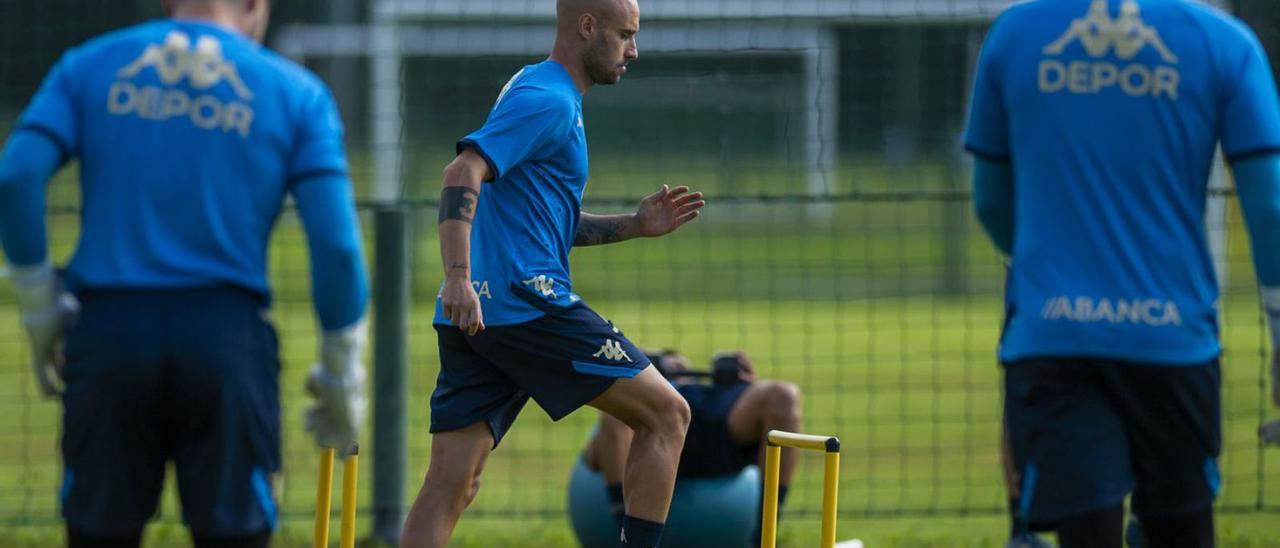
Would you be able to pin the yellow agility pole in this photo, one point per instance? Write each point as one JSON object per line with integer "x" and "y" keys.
{"x": 324, "y": 491}
{"x": 350, "y": 470}
{"x": 830, "y": 481}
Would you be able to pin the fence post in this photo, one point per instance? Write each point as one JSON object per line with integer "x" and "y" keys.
{"x": 390, "y": 356}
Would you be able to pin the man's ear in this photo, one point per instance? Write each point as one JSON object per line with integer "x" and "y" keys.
{"x": 587, "y": 26}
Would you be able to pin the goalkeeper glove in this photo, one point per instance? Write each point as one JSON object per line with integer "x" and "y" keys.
{"x": 47, "y": 312}
{"x": 337, "y": 384}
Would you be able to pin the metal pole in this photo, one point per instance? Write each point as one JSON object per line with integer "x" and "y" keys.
{"x": 391, "y": 282}
{"x": 390, "y": 356}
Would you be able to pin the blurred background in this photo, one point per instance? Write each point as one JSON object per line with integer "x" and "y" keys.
{"x": 838, "y": 249}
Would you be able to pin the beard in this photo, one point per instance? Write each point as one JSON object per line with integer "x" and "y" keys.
{"x": 600, "y": 68}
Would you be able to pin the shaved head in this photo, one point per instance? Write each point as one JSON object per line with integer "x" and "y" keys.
{"x": 598, "y": 36}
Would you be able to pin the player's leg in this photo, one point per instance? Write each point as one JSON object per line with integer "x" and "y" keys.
{"x": 113, "y": 435}
{"x": 223, "y": 400}
{"x": 761, "y": 407}
{"x": 765, "y": 406}
{"x": 659, "y": 417}
{"x": 607, "y": 453}
{"x": 1069, "y": 448}
{"x": 472, "y": 407}
{"x": 1175, "y": 417}
{"x": 572, "y": 357}
{"x": 451, "y": 484}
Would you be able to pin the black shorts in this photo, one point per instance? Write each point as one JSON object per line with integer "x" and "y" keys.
{"x": 563, "y": 360}
{"x": 1084, "y": 433}
{"x": 709, "y": 448}
{"x": 184, "y": 375}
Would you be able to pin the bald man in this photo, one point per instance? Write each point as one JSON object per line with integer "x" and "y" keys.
{"x": 189, "y": 136}
{"x": 509, "y": 325}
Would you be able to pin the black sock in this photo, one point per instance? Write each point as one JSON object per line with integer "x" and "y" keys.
{"x": 258, "y": 540}
{"x": 80, "y": 539}
{"x": 617, "y": 504}
{"x": 640, "y": 532}
{"x": 1189, "y": 531}
{"x": 1102, "y": 528}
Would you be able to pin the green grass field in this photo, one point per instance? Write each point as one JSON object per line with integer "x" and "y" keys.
{"x": 885, "y": 314}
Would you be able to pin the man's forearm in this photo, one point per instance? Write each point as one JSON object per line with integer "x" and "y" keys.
{"x": 458, "y": 201}
{"x": 604, "y": 229}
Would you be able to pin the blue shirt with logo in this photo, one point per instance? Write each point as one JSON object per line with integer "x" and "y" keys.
{"x": 189, "y": 137}
{"x": 1110, "y": 112}
{"x": 524, "y": 226}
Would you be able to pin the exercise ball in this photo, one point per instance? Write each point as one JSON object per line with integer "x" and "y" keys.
{"x": 705, "y": 512}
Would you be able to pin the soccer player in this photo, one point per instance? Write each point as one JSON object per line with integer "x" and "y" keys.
{"x": 508, "y": 322}
{"x": 727, "y": 429}
{"x": 190, "y": 135}
{"x": 1094, "y": 127}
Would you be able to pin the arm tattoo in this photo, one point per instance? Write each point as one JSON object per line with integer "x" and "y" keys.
{"x": 458, "y": 202}
{"x": 597, "y": 231}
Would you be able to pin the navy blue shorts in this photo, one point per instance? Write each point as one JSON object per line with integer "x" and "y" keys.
{"x": 184, "y": 375}
{"x": 709, "y": 448}
{"x": 1085, "y": 433}
{"x": 563, "y": 360}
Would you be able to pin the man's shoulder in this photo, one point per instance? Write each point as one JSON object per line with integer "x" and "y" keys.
{"x": 1223, "y": 28}
{"x": 84, "y": 55}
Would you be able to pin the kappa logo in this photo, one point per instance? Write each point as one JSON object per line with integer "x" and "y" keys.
{"x": 1099, "y": 34}
{"x": 612, "y": 350}
{"x": 542, "y": 284}
{"x": 204, "y": 67}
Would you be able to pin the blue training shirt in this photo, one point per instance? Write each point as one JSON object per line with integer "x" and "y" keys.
{"x": 1110, "y": 112}
{"x": 524, "y": 226}
{"x": 189, "y": 136}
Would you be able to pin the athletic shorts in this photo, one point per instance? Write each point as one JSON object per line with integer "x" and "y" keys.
{"x": 1085, "y": 433}
{"x": 184, "y": 375}
{"x": 709, "y": 448}
{"x": 563, "y": 360}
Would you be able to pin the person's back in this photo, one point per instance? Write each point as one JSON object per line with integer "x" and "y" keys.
{"x": 188, "y": 140}
{"x": 1111, "y": 112}
{"x": 1095, "y": 125}
{"x": 189, "y": 136}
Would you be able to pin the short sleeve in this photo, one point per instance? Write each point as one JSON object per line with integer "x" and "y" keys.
{"x": 523, "y": 125}
{"x": 987, "y": 133}
{"x": 1251, "y": 106}
{"x": 318, "y": 147}
{"x": 52, "y": 112}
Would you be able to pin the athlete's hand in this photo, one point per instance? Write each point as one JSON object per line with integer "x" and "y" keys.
{"x": 461, "y": 304}
{"x": 667, "y": 209}
{"x": 47, "y": 312}
{"x": 337, "y": 384}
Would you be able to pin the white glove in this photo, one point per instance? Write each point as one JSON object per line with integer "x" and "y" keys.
{"x": 47, "y": 312}
{"x": 337, "y": 383}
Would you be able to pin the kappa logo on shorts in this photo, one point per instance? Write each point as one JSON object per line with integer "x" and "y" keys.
{"x": 612, "y": 350}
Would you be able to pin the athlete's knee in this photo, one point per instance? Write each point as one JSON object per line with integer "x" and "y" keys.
{"x": 456, "y": 490}
{"x": 670, "y": 417}
{"x": 782, "y": 401}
